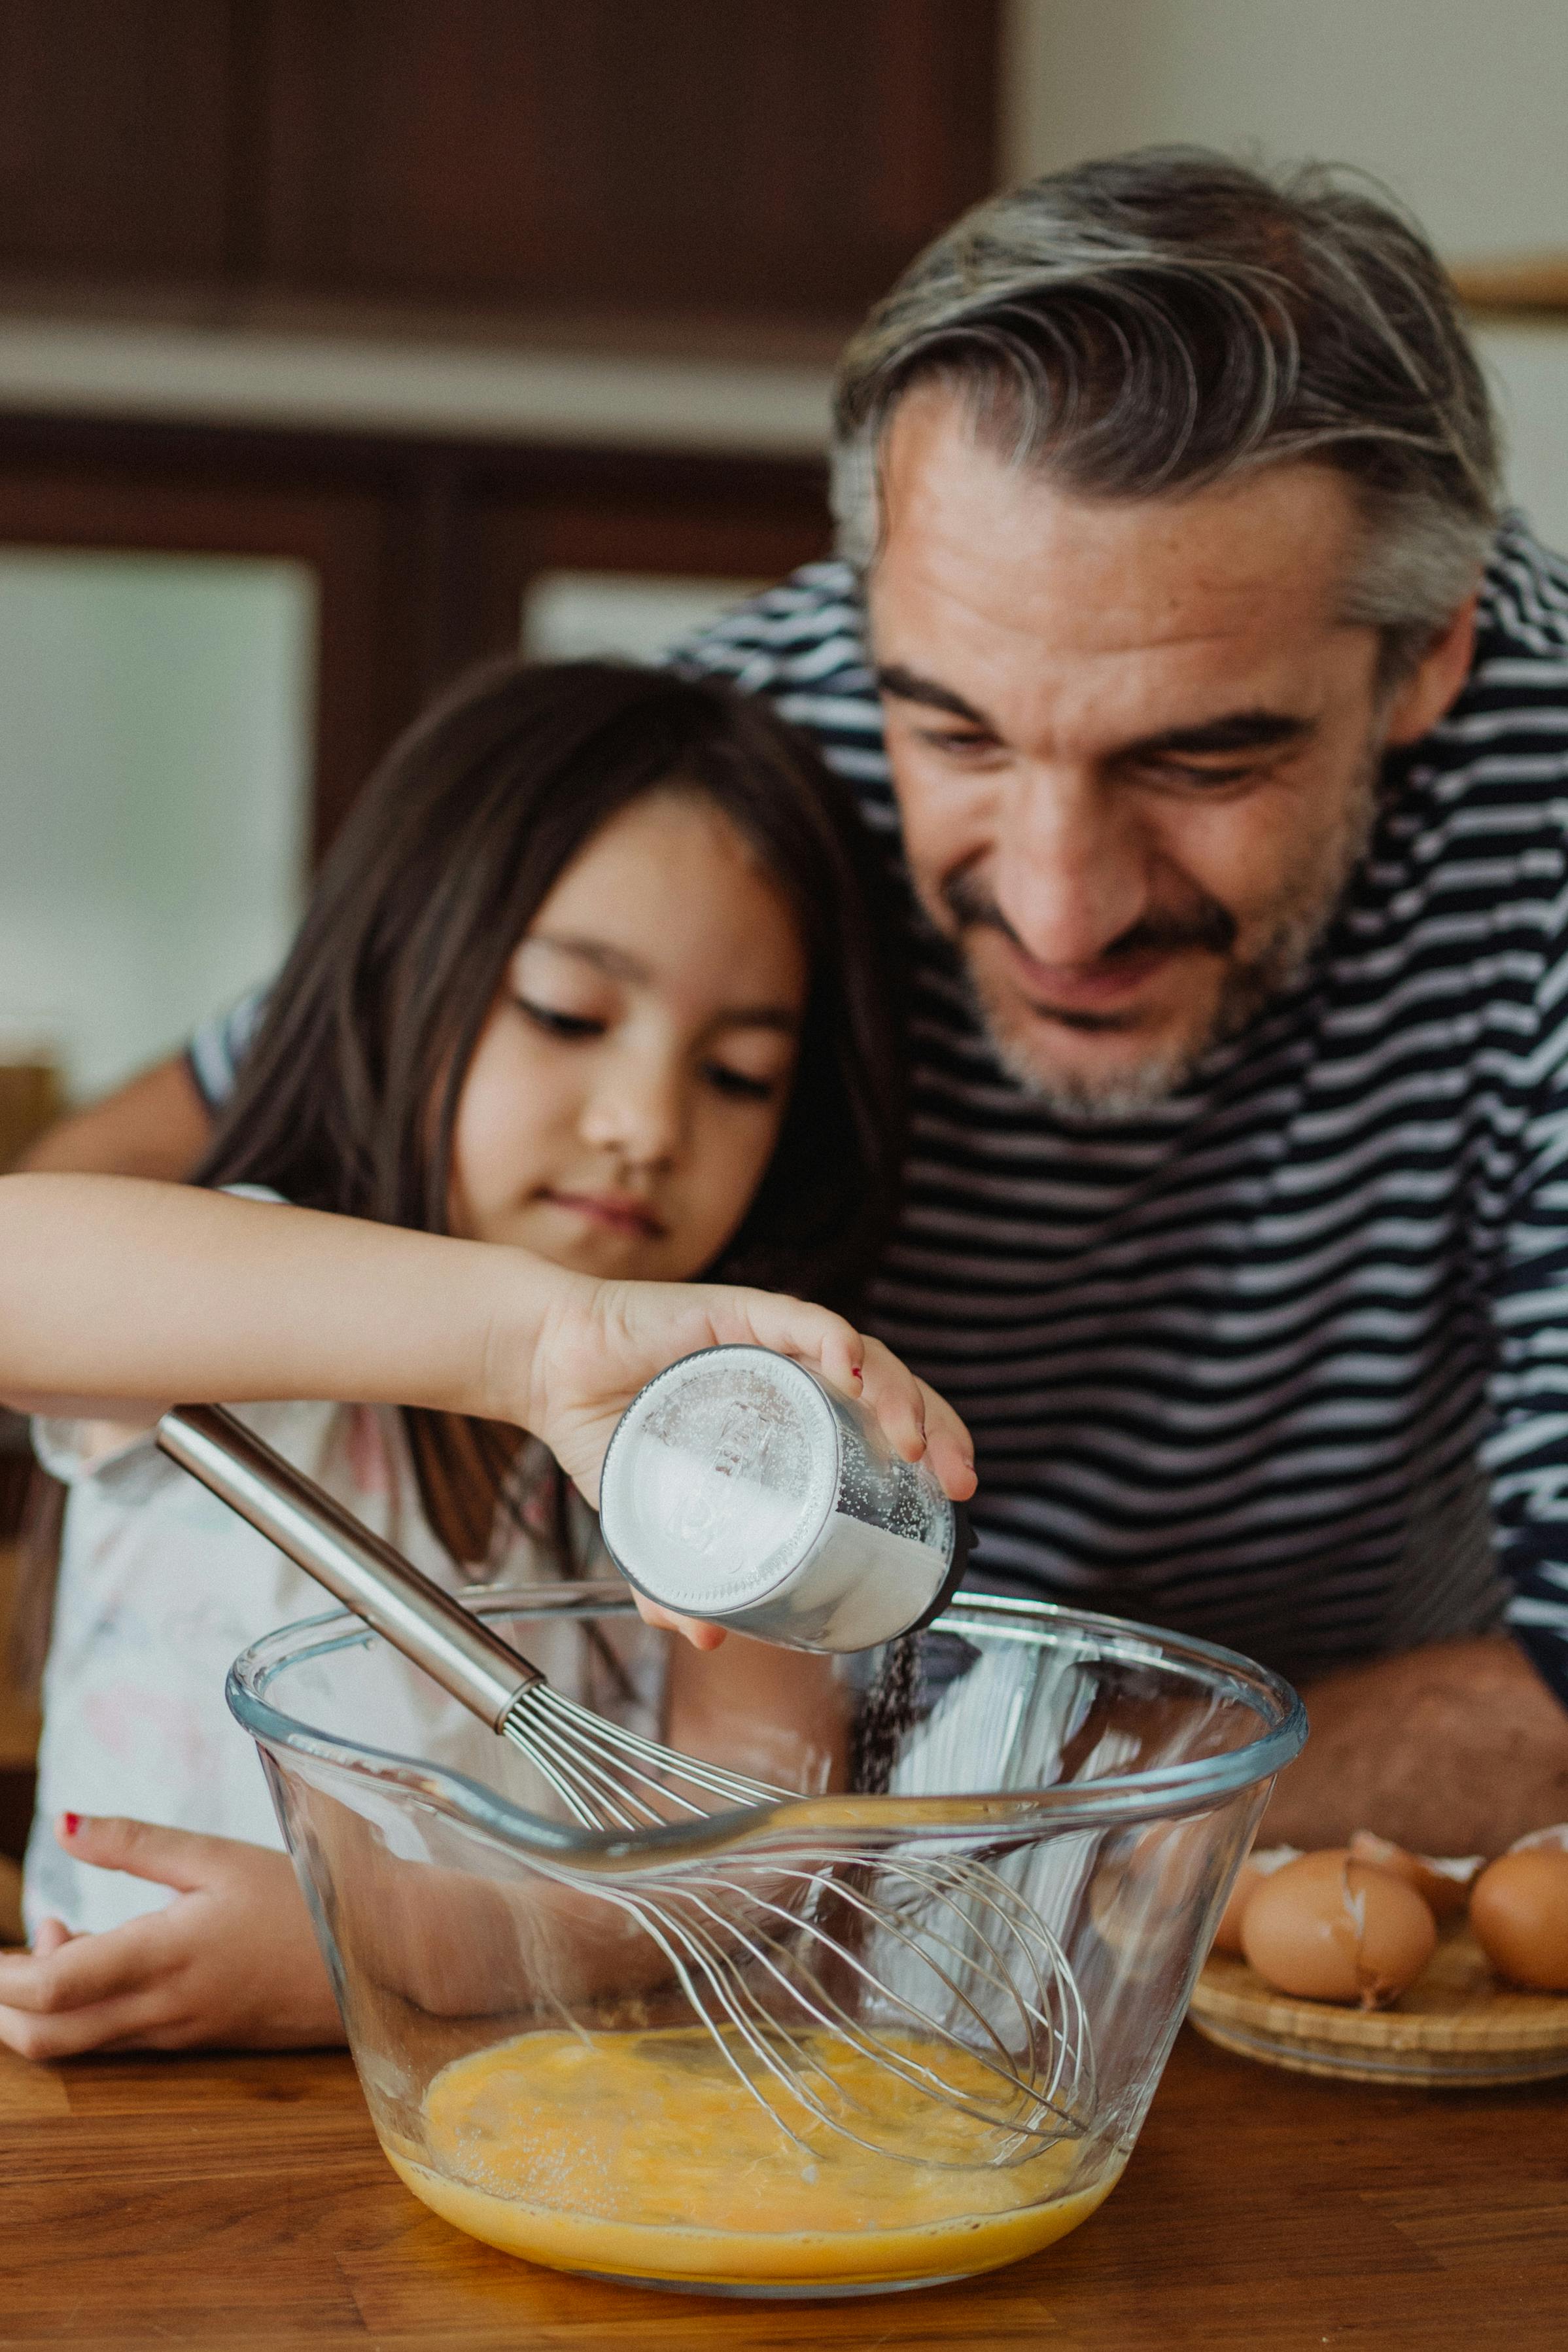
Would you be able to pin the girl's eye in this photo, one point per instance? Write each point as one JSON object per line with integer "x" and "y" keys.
{"x": 738, "y": 1084}
{"x": 559, "y": 1025}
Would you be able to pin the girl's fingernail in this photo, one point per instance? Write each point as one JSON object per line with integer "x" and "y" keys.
{"x": 73, "y": 1824}
{"x": 856, "y": 1373}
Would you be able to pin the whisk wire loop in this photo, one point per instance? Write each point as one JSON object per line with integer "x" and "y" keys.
{"x": 997, "y": 2058}
{"x": 982, "y": 1951}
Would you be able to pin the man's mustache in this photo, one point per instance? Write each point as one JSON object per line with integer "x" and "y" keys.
{"x": 1210, "y": 926}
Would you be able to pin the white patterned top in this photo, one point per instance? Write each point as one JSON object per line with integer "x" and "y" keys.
{"x": 160, "y": 1586}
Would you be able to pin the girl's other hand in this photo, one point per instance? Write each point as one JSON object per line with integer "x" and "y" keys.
{"x": 232, "y": 1963}
{"x": 601, "y": 1341}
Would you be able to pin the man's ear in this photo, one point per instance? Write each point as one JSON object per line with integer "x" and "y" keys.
{"x": 1420, "y": 701}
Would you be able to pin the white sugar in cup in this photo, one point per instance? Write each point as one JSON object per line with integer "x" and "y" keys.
{"x": 739, "y": 1487}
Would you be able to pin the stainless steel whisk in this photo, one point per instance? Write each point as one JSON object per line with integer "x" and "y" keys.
{"x": 803, "y": 1949}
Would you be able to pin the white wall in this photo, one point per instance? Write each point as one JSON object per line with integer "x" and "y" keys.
{"x": 1529, "y": 371}
{"x": 1460, "y": 108}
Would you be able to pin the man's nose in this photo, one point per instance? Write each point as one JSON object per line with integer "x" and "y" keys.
{"x": 637, "y": 1109}
{"x": 1071, "y": 867}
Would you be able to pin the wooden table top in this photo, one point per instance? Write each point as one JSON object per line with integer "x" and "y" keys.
{"x": 244, "y": 2202}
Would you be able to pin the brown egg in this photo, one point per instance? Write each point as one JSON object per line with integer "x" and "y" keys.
{"x": 1329, "y": 1927}
{"x": 1518, "y": 1912}
{"x": 1442, "y": 1880}
{"x": 1248, "y": 1878}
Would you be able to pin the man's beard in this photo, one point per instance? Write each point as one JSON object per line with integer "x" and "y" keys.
{"x": 1296, "y": 925}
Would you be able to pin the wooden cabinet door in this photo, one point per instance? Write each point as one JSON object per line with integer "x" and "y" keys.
{"x": 637, "y": 157}
{"x": 710, "y": 520}
{"x": 115, "y": 137}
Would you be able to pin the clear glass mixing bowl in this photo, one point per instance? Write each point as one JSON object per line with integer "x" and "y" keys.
{"x": 1065, "y": 1801}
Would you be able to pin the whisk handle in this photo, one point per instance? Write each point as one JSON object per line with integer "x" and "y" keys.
{"x": 368, "y": 1574}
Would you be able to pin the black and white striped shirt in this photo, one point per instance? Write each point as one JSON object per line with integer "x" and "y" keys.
{"x": 1286, "y": 1362}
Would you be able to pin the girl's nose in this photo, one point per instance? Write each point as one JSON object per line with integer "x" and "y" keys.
{"x": 636, "y": 1111}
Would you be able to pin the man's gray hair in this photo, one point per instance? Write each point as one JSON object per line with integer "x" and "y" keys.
{"x": 1161, "y": 322}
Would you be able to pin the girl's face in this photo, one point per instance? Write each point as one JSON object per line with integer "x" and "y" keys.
{"x": 628, "y": 1088}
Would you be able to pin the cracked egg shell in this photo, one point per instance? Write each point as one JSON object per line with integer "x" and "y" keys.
{"x": 1443, "y": 1882}
{"x": 1555, "y": 1840}
{"x": 1329, "y": 1927}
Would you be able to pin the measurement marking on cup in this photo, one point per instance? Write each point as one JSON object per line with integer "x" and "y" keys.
{"x": 696, "y": 1517}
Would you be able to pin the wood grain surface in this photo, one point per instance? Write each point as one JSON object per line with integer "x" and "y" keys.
{"x": 244, "y": 2202}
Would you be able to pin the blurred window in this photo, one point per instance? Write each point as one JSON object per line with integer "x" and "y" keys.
{"x": 154, "y": 782}
{"x": 574, "y": 615}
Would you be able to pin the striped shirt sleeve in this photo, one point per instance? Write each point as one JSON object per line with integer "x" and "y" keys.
{"x": 219, "y": 1046}
{"x": 1526, "y": 1452}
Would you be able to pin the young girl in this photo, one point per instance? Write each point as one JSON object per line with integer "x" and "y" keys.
{"x": 594, "y": 971}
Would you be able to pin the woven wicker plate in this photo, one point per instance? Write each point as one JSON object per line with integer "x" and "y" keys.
{"x": 1456, "y": 2027}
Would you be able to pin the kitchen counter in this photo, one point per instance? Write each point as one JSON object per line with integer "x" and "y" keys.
{"x": 244, "y": 2202}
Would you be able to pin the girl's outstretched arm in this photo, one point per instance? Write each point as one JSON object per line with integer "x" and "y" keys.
{"x": 117, "y": 1293}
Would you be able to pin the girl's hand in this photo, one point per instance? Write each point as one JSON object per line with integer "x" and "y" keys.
{"x": 601, "y": 1341}
{"x": 232, "y": 1963}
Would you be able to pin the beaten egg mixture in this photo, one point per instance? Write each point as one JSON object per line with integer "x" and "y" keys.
{"x": 641, "y": 2155}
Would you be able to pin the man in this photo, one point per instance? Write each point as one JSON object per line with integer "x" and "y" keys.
{"x": 1232, "y": 796}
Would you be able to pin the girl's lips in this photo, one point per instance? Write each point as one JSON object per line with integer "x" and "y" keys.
{"x": 621, "y": 1211}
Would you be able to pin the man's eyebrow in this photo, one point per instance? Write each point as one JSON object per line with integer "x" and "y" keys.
{"x": 908, "y": 686}
{"x": 1238, "y": 730}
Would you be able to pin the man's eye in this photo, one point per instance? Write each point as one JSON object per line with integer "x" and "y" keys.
{"x": 1179, "y": 771}
{"x": 955, "y": 745}
{"x": 737, "y": 1083}
{"x": 558, "y": 1025}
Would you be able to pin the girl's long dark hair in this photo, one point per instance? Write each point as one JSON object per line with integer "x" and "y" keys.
{"x": 348, "y": 1095}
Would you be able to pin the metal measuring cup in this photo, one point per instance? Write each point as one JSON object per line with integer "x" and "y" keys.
{"x": 737, "y": 1487}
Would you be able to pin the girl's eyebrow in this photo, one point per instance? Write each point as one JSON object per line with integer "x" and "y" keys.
{"x": 616, "y": 964}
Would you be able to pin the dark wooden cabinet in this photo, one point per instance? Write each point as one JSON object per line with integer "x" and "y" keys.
{"x": 767, "y": 161}
{"x": 116, "y": 152}
{"x": 775, "y": 160}
{"x": 726, "y": 520}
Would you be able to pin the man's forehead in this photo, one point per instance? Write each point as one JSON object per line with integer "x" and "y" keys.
{"x": 999, "y": 562}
